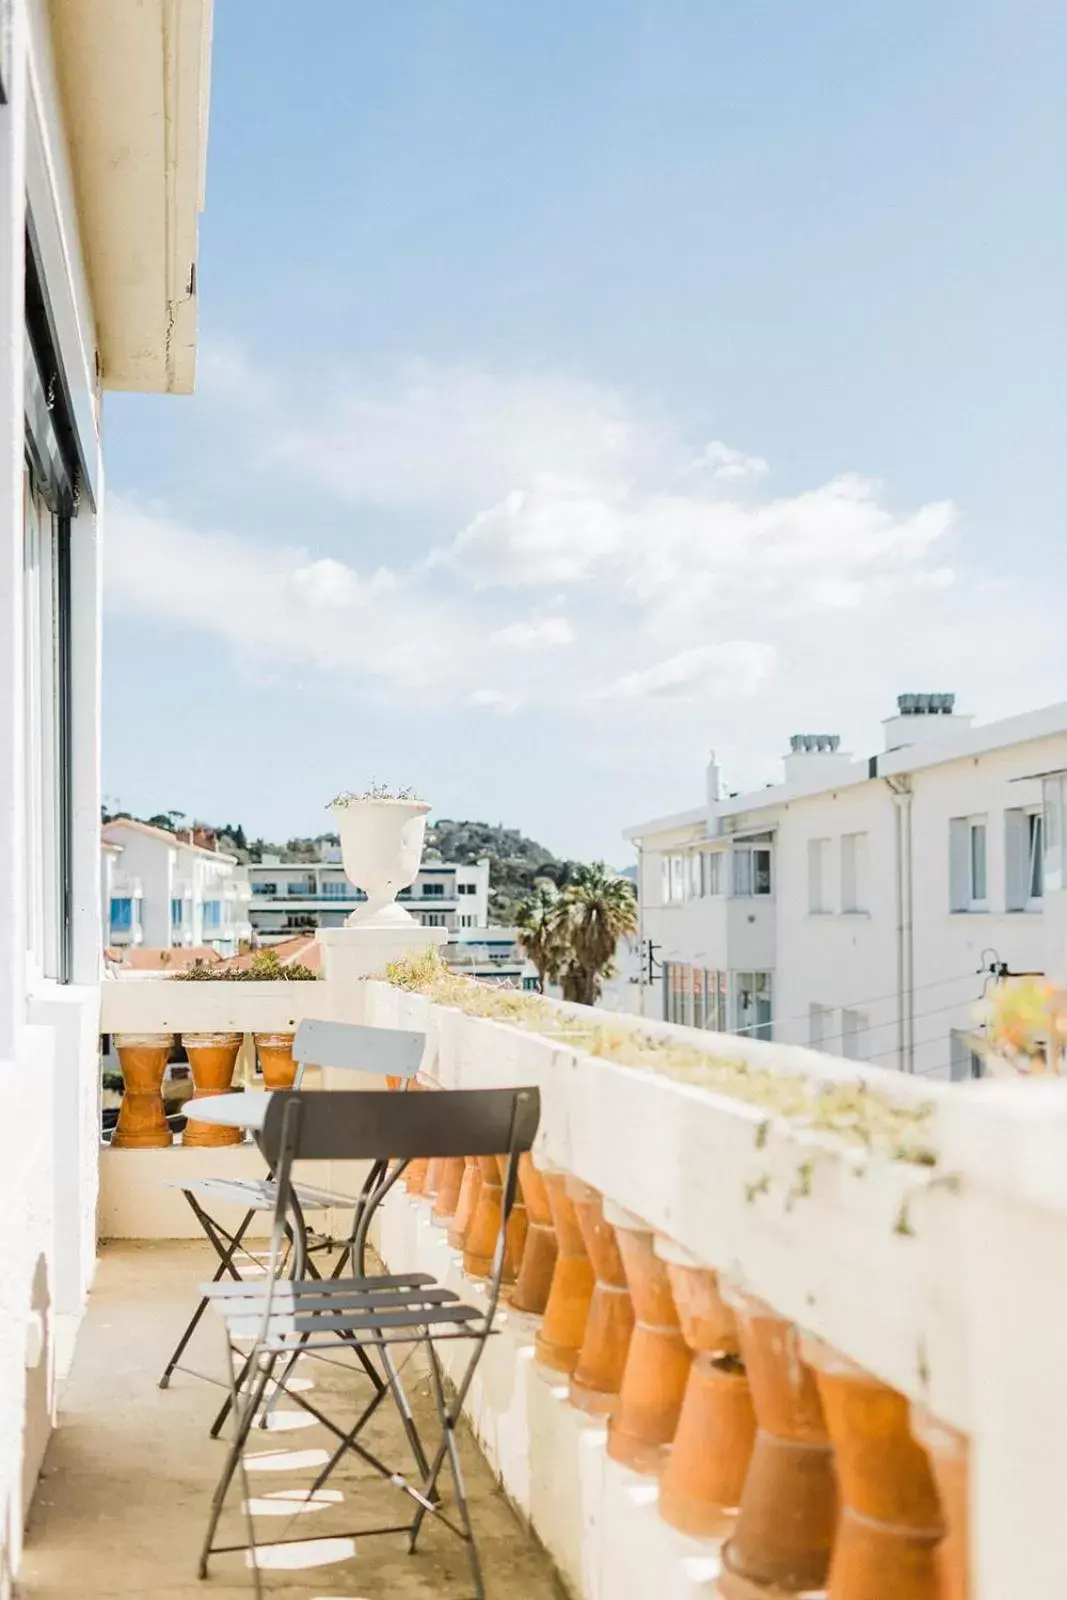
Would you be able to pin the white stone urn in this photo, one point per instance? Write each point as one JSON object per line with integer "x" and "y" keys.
{"x": 381, "y": 847}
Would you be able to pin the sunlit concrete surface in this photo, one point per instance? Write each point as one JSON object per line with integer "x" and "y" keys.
{"x": 122, "y": 1504}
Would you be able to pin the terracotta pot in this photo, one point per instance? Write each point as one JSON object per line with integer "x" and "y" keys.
{"x": 538, "y": 1265}
{"x": 891, "y": 1522}
{"x": 450, "y": 1181}
{"x": 485, "y": 1224}
{"x": 705, "y": 1472}
{"x": 559, "y": 1339}
{"x": 212, "y": 1058}
{"x": 275, "y": 1051}
{"x": 643, "y": 1424}
{"x": 597, "y": 1378}
{"x": 466, "y": 1204}
{"x": 785, "y": 1531}
{"x": 949, "y": 1454}
{"x": 142, "y": 1123}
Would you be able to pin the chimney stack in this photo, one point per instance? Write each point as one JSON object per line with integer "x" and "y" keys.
{"x": 921, "y": 717}
{"x": 812, "y": 754}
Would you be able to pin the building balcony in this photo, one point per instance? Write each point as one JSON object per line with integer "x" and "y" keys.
{"x": 727, "y": 1246}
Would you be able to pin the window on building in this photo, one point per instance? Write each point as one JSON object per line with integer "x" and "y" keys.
{"x": 752, "y": 870}
{"x": 433, "y": 919}
{"x": 713, "y": 873}
{"x": 964, "y": 1062}
{"x": 855, "y": 1032}
{"x": 696, "y": 875}
{"x": 212, "y": 913}
{"x": 820, "y": 1026}
{"x": 121, "y": 914}
{"x": 752, "y": 1004}
{"x": 177, "y": 912}
{"x": 265, "y": 888}
{"x": 854, "y": 872}
{"x": 1024, "y": 859}
{"x": 968, "y": 864}
{"x": 468, "y": 888}
{"x": 429, "y": 890}
{"x": 1054, "y": 815}
{"x": 818, "y": 875}
{"x": 716, "y": 990}
{"x": 337, "y": 889}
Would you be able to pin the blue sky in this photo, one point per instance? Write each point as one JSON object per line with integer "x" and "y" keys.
{"x": 584, "y": 386}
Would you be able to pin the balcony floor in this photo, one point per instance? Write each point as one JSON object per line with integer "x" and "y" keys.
{"x": 121, "y": 1507}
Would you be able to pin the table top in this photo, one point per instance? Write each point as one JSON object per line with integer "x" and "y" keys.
{"x": 246, "y": 1110}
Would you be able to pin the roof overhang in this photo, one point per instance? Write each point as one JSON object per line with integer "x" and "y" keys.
{"x": 134, "y": 79}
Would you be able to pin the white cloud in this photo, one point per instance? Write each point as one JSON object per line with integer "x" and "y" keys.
{"x": 723, "y": 461}
{"x": 738, "y": 667}
{"x": 534, "y": 634}
{"x": 492, "y": 700}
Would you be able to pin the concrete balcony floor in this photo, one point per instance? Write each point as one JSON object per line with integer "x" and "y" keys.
{"x": 122, "y": 1504}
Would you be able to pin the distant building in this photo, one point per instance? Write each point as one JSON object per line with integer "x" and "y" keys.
{"x": 162, "y": 891}
{"x": 492, "y": 955}
{"x": 291, "y": 897}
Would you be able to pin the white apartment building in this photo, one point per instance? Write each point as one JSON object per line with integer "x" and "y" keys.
{"x": 297, "y": 897}
{"x": 103, "y": 118}
{"x": 862, "y": 906}
{"x": 164, "y": 892}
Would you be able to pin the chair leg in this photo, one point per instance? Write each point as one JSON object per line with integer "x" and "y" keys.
{"x": 225, "y": 1265}
{"x": 448, "y": 1416}
{"x": 243, "y": 1418}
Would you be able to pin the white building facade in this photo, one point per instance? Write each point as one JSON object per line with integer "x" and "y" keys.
{"x": 165, "y": 892}
{"x": 865, "y": 907}
{"x": 102, "y": 135}
{"x": 299, "y": 897}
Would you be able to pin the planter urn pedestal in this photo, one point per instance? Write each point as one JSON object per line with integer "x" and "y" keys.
{"x": 142, "y": 1123}
{"x": 891, "y": 1522}
{"x": 560, "y": 1337}
{"x": 704, "y": 1476}
{"x": 212, "y": 1058}
{"x": 534, "y": 1283}
{"x": 275, "y": 1052}
{"x": 782, "y": 1543}
{"x": 642, "y": 1426}
{"x": 597, "y": 1377}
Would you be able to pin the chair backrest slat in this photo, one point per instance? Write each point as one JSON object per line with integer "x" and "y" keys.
{"x": 352, "y": 1124}
{"x": 382, "y": 1052}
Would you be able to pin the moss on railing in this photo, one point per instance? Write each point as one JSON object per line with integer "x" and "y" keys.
{"x": 853, "y": 1110}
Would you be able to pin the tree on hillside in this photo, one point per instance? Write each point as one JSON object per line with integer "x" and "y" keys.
{"x": 575, "y": 931}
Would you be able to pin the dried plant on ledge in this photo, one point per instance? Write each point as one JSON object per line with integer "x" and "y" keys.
{"x": 264, "y": 968}
{"x": 378, "y": 792}
{"x": 852, "y": 1110}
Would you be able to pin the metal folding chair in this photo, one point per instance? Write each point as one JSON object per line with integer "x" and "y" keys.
{"x": 383, "y": 1052}
{"x": 318, "y": 1318}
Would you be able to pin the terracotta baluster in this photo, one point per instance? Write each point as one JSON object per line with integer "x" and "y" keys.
{"x": 597, "y": 1378}
{"x": 518, "y": 1227}
{"x": 450, "y": 1181}
{"x": 949, "y": 1454}
{"x": 485, "y": 1224}
{"x": 785, "y": 1531}
{"x": 414, "y": 1179}
{"x": 643, "y": 1423}
{"x": 891, "y": 1522}
{"x": 275, "y": 1052}
{"x": 433, "y": 1177}
{"x": 212, "y": 1057}
{"x": 538, "y": 1265}
{"x": 559, "y": 1339}
{"x": 705, "y": 1472}
{"x": 466, "y": 1204}
{"x": 142, "y": 1123}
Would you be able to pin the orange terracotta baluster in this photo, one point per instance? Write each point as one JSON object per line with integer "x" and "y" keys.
{"x": 433, "y": 1177}
{"x": 597, "y": 1378}
{"x": 485, "y": 1224}
{"x": 891, "y": 1522}
{"x": 534, "y": 1282}
{"x": 466, "y": 1204}
{"x": 212, "y": 1058}
{"x": 518, "y": 1226}
{"x": 785, "y": 1532}
{"x": 643, "y": 1423}
{"x": 705, "y": 1472}
{"x": 450, "y": 1181}
{"x": 949, "y": 1454}
{"x": 142, "y": 1123}
{"x": 559, "y": 1339}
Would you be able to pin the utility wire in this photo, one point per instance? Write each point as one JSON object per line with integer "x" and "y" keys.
{"x": 893, "y": 994}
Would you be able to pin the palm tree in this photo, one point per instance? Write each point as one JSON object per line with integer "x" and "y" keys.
{"x": 539, "y": 920}
{"x": 599, "y": 909}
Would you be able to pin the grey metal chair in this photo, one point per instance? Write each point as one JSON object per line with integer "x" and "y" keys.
{"x": 382, "y": 1052}
{"x": 319, "y": 1318}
